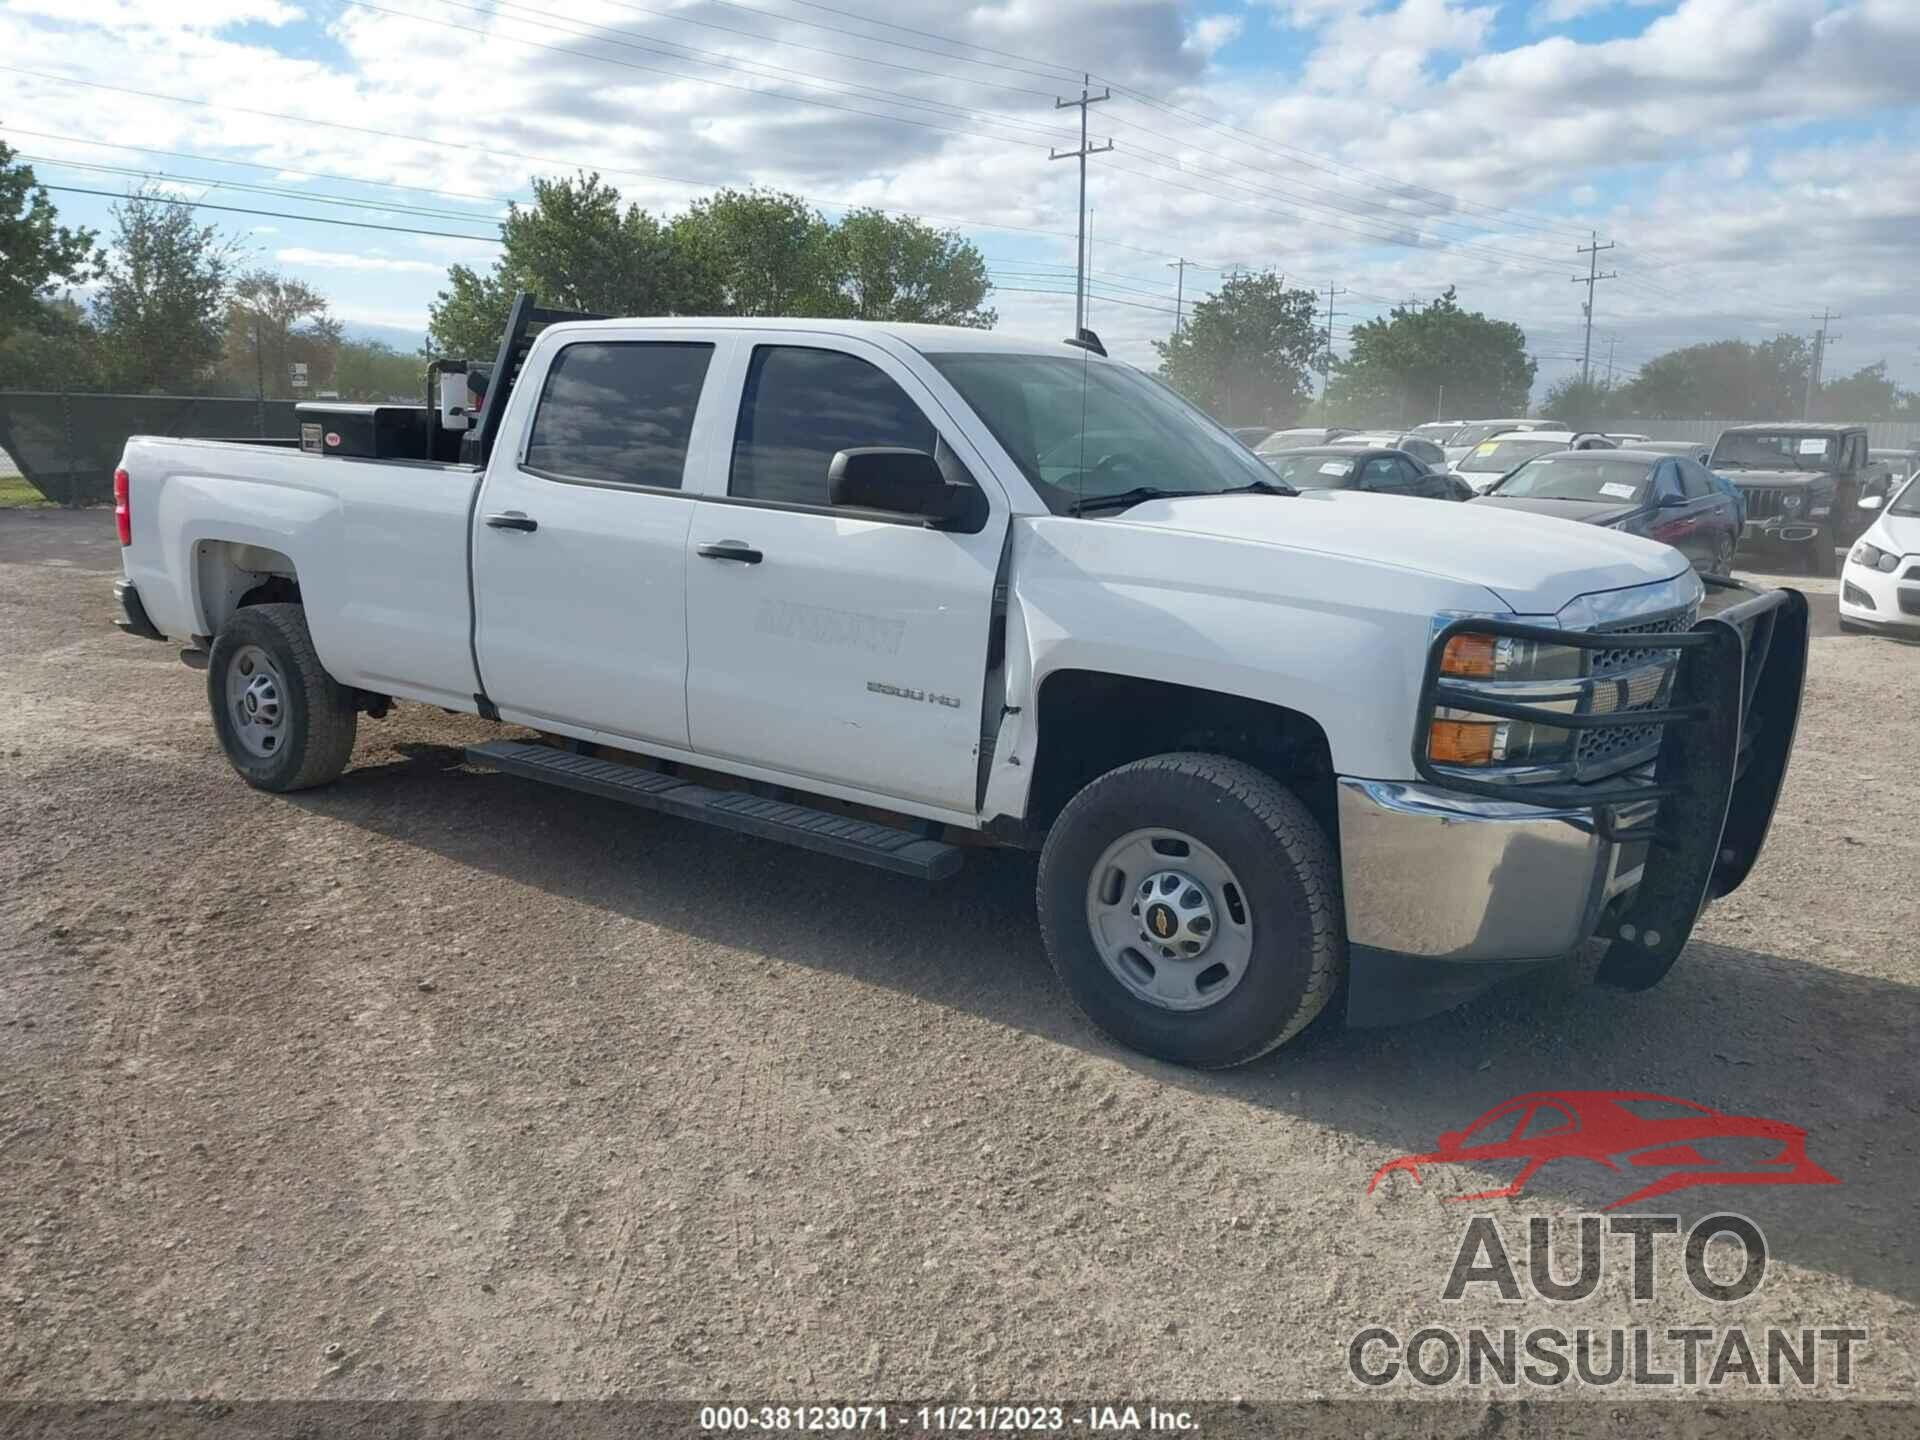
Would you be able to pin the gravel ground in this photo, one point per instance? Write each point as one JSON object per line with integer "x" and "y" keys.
{"x": 437, "y": 1083}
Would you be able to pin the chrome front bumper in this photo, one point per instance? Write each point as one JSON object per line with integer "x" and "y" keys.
{"x": 1435, "y": 874}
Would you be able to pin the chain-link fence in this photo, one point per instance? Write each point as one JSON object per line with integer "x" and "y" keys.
{"x": 67, "y": 442}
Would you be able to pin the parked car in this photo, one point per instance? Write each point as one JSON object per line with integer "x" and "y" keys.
{"x": 1627, "y": 437}
{"x": 1430, "y": 455}
{"x": 811, "y": 580}
{"x": 1440, "y": 432}
{"x": 1901, "y": 465}
{"x": 1378, "y": 470}
{"x": 1491, "y": 459}
{"x": 1880, "y": 583}
{"x": 1802, "y": 483}
{"x": 1700, "y": 452}
{"x": 1251, "y": 435}
{"x": 1669, "y": 498}
{"x": 1303, "y": 435}
{"x": 1478, "y": 432}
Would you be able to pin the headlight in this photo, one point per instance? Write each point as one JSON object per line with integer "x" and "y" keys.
{"x": 1874, "y": 558}
{"x": 1538, "y": 674}
{"x": 1791, "y": 504}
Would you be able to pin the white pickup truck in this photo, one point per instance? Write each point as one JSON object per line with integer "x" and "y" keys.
{"x": 888, "y": 590}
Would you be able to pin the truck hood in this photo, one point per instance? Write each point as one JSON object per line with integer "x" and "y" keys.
{"x": 1781, "y": 479}
{"x": 1535, "y": 564}
{"x": 1587, "y": 512}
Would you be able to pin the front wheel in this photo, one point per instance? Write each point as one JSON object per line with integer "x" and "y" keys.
{"x": 1190, "y": 904}
{"x": 284, "y": 722}
{"x": 1820, "y": 554}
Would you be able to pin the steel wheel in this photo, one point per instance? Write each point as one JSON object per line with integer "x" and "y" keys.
{"x": 257, "y": 698}
{"x": 1170, "y": 919}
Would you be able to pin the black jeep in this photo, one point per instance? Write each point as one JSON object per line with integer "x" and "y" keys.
{"x": 1802, "y": 484}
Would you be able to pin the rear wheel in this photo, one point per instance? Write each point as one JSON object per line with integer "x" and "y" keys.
{"x": 283, "y": 721}
{"x": 1190, "y": 904}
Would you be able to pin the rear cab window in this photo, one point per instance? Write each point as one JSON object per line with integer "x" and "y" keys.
{"x": 618, "y": 412}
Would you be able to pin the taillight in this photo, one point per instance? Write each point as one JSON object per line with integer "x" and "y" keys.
{"x": 122, "y": 508}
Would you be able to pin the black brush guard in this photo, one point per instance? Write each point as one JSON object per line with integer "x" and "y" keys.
{"x": 1728, "y": 732}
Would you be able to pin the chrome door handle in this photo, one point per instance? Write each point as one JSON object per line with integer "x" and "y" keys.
{"x": 513, "y": 520}
{"x": 729, "y": 550}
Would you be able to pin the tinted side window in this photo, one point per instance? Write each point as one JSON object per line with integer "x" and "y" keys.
{"x": 1380, "y": 473}
{"x": 619, "y": 411}
{"x": 800, "y": 406}
{"x": 1695, "y": 483}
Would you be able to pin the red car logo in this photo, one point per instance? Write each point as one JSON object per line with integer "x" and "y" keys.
{"x": 1615, "y": 1128}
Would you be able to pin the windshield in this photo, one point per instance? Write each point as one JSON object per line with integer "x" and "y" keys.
{"x": 1441, "y": 432}
{"x": 1907, "y": 502}
{"x": 1486, "y": 430}
{"x": 1080, "y": 428}
{"x": 1577, "y": 476}
{"x": 1776, "y": 450}
{"x": 1500, "y": 456}
{"x": 1312, "y": 469}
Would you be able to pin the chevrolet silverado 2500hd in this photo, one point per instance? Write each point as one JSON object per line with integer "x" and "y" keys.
{"x": 862, "y": 587}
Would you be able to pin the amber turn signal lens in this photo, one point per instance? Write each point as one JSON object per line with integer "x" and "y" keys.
{"x": 1461, "y": 742}
{"x": 1468, "y": 655}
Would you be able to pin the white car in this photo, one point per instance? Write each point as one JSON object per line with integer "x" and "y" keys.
{"x": 1491, "y": 459}
{"x": 1880, "y": 583}
{"x": 891, "y": 592}
{"x": 1478, "y": 432}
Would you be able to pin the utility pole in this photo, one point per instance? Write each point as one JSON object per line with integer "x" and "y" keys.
{"x": 1612, "y": 340}
{"x": 1179, "y": 289}
{"x": 1326, "y": 355}
{"x": 1080, "y": 254}
{"x": 1590, "y": 279}
{"x": 1821, "y": 340}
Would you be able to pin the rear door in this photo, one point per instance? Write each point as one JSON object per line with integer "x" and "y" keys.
{"x": 841, "y": 647}
{"x": 580, "y": 540}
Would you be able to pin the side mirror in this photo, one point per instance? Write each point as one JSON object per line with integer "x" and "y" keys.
{"x": 1872, "y": 502}
{"x": 893, "y": 478}
{"x": 1672, "y": 500}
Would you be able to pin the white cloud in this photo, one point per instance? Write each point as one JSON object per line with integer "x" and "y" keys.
{"x": 1552, "y": 125}
{"x": 354, "y": 260}
{"x": 1210, "y": 32}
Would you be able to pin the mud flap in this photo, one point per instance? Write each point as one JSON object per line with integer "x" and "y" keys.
{"x": 1727, "y": 768}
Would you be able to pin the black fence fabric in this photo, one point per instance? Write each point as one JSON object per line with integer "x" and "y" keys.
{"x": 67, "y": 443}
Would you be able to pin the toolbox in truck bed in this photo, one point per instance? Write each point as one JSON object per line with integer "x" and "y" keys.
{"x": 363, "y": 432}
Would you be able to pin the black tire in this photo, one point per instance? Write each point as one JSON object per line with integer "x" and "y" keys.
{"x": 320, "y": 718}
{"x": 1820, "y": 550}
{"x": 1279, "y": 856}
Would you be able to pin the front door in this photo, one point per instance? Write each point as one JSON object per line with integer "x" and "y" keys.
{"x": 1677, "y": 517}
{"x": 580, "y": 544}
{"x": 833, "y": 645}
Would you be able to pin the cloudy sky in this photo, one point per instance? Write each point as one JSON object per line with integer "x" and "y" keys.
{"x": 1754, "y": 162}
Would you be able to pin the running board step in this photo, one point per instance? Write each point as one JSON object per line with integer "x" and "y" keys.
{"x": 881, "y": 846}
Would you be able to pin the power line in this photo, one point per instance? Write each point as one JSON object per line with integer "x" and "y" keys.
{"x": 1081, "y": 153}
{"x": 465, "y": 148}
{"x": 1593, "y": 277}
{"x": 281, "y": 215}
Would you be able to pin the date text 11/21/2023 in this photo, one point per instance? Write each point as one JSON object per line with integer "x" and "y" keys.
{"x": 962, "y": 1419}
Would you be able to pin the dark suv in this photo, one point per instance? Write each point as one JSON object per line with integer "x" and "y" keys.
{"x": 1802, "y": 483}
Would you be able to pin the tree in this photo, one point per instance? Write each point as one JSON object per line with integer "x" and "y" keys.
{"x": 1244, "y": 352}
{"x": 1867, "y": 394}
{"x": 373, "y": 370}
{"x": 273, "y": 323}
{"x": 161, "y": 307}
{"x": 575, "y": 248}
{"x": 907, "y": 271}
{"x": 1724, "y": 380}
{"x": 56, "y": 349}
{"x": 761, "y": 252}
{"x": 1422, "y": 359}
{"x": 36, "y": 255}
{"x": 1583, "y": 404}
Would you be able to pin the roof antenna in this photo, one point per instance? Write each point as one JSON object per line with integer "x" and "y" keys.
{"x": 1087, "y": 340}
